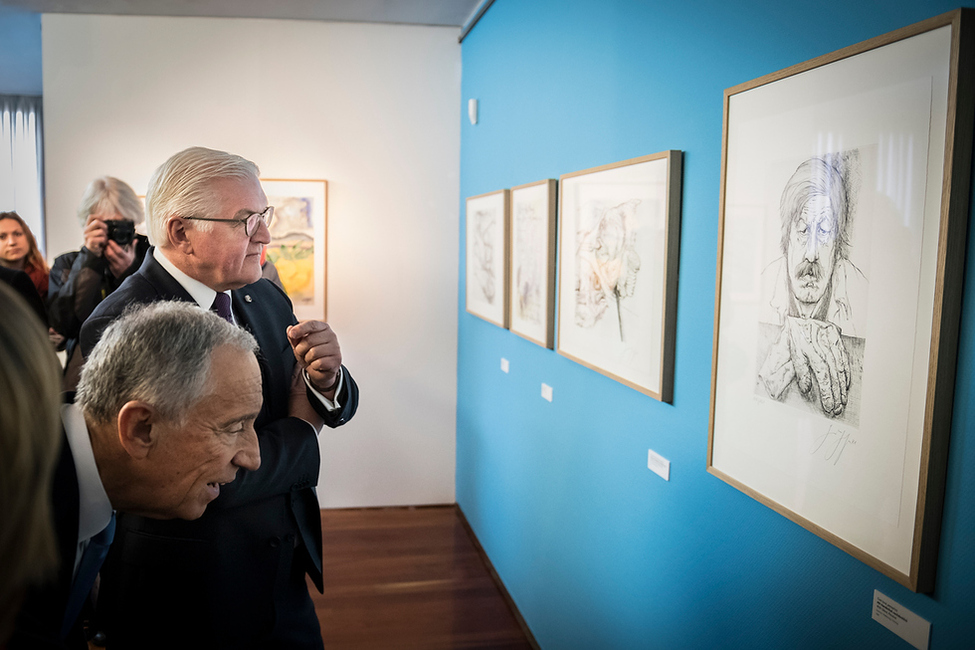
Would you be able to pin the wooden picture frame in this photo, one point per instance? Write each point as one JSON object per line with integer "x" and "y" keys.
{"x": 299, "y": 244}
{"x": 487, "y": 256}
{"x": 844, "y": 206}
{"x": 619, "y": 238}
{"x": 532, "y": 261}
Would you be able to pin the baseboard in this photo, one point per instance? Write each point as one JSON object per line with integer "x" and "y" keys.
{"x": 497, "y": 580}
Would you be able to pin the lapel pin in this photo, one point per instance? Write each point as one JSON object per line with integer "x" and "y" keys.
{"x": 247, "y": 298}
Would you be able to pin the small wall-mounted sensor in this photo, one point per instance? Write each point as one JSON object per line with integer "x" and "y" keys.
{"x": 472, "y": 110}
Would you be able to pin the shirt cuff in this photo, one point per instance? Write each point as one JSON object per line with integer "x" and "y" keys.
{"x": 330, "y": 405}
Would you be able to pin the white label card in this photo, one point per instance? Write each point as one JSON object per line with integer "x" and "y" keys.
{"x": 902, "y": 622}
{"x": 658, "y": 464}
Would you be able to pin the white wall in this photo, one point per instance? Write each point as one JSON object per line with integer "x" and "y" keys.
{"x": 374, "y": 109}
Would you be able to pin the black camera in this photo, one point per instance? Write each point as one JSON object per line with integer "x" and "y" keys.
{"x": 121, "y": 231}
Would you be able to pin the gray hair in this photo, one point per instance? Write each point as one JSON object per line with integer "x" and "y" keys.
{"x": 181, "y": 187}
{"x": 159, "y": 354}
{"x": 110, "y": 195}
{"x": 816, "y": 177}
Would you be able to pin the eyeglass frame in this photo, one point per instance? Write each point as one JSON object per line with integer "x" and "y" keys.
{"x": 266, "y": 215}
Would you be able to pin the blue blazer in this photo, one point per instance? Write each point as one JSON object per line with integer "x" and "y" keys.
{"x": 218, "y": 580}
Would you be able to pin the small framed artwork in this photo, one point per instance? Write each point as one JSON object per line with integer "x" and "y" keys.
{"x": 619, "y": 235}
{"x": 844, "y": 207}
{"x": 298, "y": 248}
{"x": 487, "y": 256}
{"x": 532, "y": 272}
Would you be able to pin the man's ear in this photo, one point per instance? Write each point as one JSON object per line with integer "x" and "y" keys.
{"x": 178, "y": 235}
{"x": 135, "y": 422}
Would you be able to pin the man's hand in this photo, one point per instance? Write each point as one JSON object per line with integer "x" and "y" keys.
{"x": 316, "y": 348}
{"x": 119, "y": 258}
{"x": 298, "y": 404}
{"x": 56, "y": 339}
{"x": 96, "y": 234}
{"x": 817, "y": 349}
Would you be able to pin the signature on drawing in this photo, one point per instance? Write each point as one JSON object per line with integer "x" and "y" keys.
{"x": 833, "y": 443}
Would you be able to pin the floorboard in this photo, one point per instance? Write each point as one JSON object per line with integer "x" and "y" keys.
{"x": 409, "y": 578}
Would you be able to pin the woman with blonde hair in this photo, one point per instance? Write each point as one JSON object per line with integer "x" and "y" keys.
{"x": 18, "y": 251}
{"x": 30, "y": 439}
{"x": 109, "y": 212}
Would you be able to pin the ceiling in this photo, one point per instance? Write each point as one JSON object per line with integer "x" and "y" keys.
{"x": 453, "y": 13}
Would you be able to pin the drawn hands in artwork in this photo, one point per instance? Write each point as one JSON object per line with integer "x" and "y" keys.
{"x": 818, "y": 350}
{"x": 811, "y": 352}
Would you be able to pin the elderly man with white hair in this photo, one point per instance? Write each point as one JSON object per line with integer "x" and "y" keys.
{"x": 235, "y": 578}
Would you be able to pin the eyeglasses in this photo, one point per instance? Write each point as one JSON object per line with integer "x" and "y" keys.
{"x": 250, "y": 222}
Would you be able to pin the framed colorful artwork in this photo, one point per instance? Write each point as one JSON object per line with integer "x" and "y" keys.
{"x": 843, "y": 215}
{"x": 299, "y": 246}
{"x": 619, "y": 236}
{"x": 487, "y": 256}
{"x": 532, "y": 272}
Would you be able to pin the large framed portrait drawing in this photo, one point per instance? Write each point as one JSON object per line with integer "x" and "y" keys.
{"x": 298, "y": 247}
{"x": 844, "y": 204}
{"x": 487, "y": 256}
{"x": 532, "y": 273}
{"x": 619, "y": 233}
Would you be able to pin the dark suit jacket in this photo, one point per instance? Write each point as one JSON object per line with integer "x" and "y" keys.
{"x": 42, "y": 611}
{"x": 215, "y": 580}
{"x": 23, "y": 285}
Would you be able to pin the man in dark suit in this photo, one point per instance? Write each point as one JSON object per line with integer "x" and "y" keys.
{"x": 236, "y": 577}
{"x": 137, "y": 441}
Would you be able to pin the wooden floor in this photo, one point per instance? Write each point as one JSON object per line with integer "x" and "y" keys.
{"x": 410, "y": 578}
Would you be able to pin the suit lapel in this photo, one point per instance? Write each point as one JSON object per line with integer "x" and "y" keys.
{"x": 159, "y": 278}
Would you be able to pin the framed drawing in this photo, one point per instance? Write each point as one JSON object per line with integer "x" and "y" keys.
{"x": 619, "y": 235}
{"x": 532, "y": 272}
{"x": 844, "y": 206}
{"x": 298, "y": 247}
{"x": 487, "y": 256}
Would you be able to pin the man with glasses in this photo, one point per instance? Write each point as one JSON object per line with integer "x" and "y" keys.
{"x": 208, "y": 219}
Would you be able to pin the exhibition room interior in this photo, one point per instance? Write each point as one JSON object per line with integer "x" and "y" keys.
{"x": 561, "y": 244}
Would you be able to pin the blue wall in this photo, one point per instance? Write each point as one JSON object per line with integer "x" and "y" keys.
{"x": 596, "y": 550}
{"x": 20, "y": 52}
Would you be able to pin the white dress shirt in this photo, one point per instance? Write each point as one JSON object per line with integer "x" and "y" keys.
{"x": 94, "y": 508}
{"x": 204, "y": 295}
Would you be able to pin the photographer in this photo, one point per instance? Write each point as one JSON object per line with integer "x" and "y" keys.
{"x": 109, "y": 212}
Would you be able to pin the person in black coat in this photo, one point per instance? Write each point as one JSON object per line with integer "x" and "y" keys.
{"x": 109, "y": 212}
{"x": 236, "y": 577}
{"x": 22, "y": 284}
{"x": 136, "y": 440}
